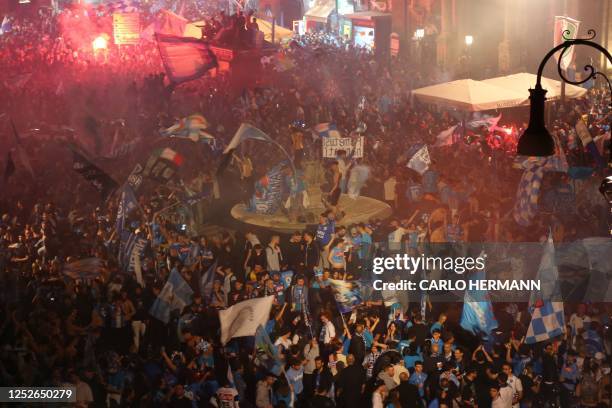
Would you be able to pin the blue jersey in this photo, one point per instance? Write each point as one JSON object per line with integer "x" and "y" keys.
{"x": 325, "y": 232}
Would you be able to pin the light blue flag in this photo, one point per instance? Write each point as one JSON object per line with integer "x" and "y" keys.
{"x": 547, "y": 316}
{"x": 477, "y": 316}
{"x": 347, "y": 294}
{"x": 246, "y": 132}
{"x": 175, "y": 295}
{"x": 206, "y": 283}
{"x": 267, "y": 354}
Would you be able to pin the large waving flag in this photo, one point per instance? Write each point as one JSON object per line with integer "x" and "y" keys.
{"x": 185, "y": 58}
{"x": 267, "y": 355}
{"x": 245, "y": 132}
{"x": 528, "y": 193}
{"x": 547, "y": 317}
{"x": 347, "y": 294}
{"x": 99, "y": 179}
{"x": 207, "y": 280}
{"x": 477, "y": 316}
{"x": 175, "y": 295}
{"x": 243, "y": 318}
{"x": 420, "y": 161}
{"x": 489, "y": 122}
{"x": 193, "y": 127}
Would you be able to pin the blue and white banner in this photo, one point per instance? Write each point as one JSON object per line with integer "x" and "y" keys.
{"x": 132, "y": 247}
{"x": 547, "y": 315}
{"x": 175, "y": 295}
{"x": 420, "y": 161}
{"x": 348, "y": 294}
{"x": 477, "y": 316}
{"x": 269, "y": 191}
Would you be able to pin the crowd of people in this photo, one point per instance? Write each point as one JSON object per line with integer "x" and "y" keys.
{"x": 97, "y": 334}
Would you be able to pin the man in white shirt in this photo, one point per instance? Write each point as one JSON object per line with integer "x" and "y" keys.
{"x": 328, "y": 331}
{"x": 84, "y": 395}
{"x": 273, "y": 254}
{"x": 503, "y": 393}
{"x": 515, "y": 384}
{"x": 311, "y": 352}
{"x": 497, "y": 400}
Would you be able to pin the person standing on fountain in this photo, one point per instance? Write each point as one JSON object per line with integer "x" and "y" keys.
{"x": 332, "y": 197}
{"x": 325, "y": 232}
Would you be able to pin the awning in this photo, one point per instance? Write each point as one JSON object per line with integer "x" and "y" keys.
{"x": 366, "y": 15}
{"x": 469, "y": 95}
{"x": 523, "y": 81}
{"x": 280, "y": 33}
{"x": 321, "y": 12}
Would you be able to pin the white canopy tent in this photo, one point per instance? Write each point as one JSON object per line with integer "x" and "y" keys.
{"x": 523, "y": 81}
{"x": 469, "y": 95}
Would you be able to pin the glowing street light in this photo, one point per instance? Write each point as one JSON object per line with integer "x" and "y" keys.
{"x": 99, "y": 43}
{"x": 419, "y": 33}
{"x": 469, "y": 40}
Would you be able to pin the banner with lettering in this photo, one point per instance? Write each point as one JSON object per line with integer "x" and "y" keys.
{"x": 352, "y": 147}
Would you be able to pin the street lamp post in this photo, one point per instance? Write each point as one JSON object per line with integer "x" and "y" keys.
{"x": 536, "y": 141}
{"x": 469, "y": 40}
{"x": 418, "y": 37}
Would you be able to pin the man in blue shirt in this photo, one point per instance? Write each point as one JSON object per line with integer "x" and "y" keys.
{"x": 325, "y": 233}
{"x": 325, "y": 229}
{"x": 295, "y": 376}
{"x": 418, "y": 378}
